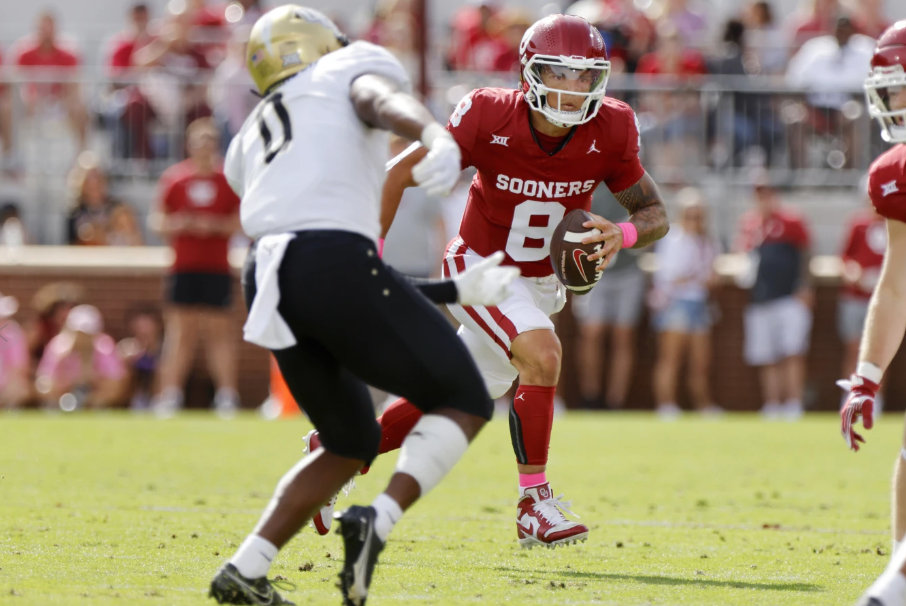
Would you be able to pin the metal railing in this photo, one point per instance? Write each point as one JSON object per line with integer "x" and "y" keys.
{"x": 704, "y": 131}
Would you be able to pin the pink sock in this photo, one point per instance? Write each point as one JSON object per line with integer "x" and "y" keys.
{"x": 531, "y": 479}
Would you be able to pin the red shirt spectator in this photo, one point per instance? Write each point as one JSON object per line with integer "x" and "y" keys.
{"x": 687, "y": 63}
{"x": 817, "y": 20}
{"x": 122, "y": 46}
{"x": 42, "y": 52}
{"x": 781, "y": 240}
{"x": 863, "y": 254}
{"x": 184, "y": 190}
{"x": 510, "y": 26}
{"x": 472, "y": 45}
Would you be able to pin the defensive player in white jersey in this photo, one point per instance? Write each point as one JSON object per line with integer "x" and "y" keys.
{"x": 883, "y": 333}
{"x": 309, "y": 167}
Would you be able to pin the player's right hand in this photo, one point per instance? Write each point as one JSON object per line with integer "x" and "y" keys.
{"x": 438, "y": 172}
{"x": 485, "y": 283}
{"x": 859, "y": 403}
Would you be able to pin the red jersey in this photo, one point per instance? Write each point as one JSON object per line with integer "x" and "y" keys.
{"x": 183, "y": 190}
{"x": 887, "y": 183}
{"x": 30, "y": 54}
{"x": 521, "y": 192}
{"x": 865, "y": 246}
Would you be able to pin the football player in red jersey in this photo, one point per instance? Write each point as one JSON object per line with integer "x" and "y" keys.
{"x": 540, "y": 151}
{"x": 886, "y": 94}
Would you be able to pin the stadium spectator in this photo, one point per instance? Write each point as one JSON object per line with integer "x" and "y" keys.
{"x": 678, "y": 128}
{"x": 764, "y": 38}
{"x": 52, "y": 303}
{"x": 393, "y": 28}
{"x": 44, "y": 55}
{"x": 197, "y": 213}
{"x": 123, "y": 229}
{"x": 612, "y": 309}
{"x": 15, "y": 386}
{"x": 127, "y": 108}
{"x": 229, "y": 92}
{"x": 778, "y": 319}
{"x": 752, "y": 126}
{"x": 680, "y": 298}
{"x": 88, "y": 223}
{"x": 687, "y": 18}
{"x": 862, "y": 257}
{"x": 12, "y": 231}
{"x": 508, "y": 27}
{"x": 811, "y": 19}
{"x": 832, "y": 68}
{"x": 472, "y": 45}
{"x": 868, "y": 17}
{"x": 177, "y": 85}
{"x": 141, "y": 352}
{"x": 632, "y": 33}
{"x": 80, "y": 367}
{"x": 123, "y": 45}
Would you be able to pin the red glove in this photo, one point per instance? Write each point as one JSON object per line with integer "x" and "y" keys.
{"x": 861, "y": 402}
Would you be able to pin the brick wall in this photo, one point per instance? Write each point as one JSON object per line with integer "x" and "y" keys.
{"x": 118, "y": 280}
{"x": 114, "y": 287}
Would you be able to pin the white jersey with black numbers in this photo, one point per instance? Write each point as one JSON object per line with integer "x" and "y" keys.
{"x": 303, "y": 159}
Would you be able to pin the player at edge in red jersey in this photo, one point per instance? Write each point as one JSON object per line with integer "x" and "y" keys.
{"x": 885, "y": 90}
{"x": 540, "y": 151}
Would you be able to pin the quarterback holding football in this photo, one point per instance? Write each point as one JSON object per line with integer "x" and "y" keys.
{"x": 540, "y": 151}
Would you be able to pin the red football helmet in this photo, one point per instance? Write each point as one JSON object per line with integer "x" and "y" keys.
{"x": 887, "y": 79}
{"x": 572, "y": 49}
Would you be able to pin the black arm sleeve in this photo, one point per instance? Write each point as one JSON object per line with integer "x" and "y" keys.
{"x": 438, "y": 291}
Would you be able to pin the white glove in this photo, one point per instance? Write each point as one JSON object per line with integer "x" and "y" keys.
{"x": 486, "y": 283}
{"x": 438, "y": 172}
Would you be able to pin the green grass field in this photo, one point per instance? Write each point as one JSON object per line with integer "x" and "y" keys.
{"x": 110, "y": 509}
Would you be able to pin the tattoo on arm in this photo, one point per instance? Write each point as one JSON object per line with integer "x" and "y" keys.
{"x": 646, "y": 210}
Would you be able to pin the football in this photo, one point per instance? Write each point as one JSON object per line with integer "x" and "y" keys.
{"x": 569, "y": 256}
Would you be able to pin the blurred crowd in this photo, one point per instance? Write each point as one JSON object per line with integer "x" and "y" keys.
{"x": 774, "y": 241}
{"x": 163, "y": 71}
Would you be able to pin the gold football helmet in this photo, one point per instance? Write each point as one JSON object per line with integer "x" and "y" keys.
{"x": 286, "y": 40}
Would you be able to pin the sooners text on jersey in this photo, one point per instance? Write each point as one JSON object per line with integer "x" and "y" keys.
{"x": 887, "y": 183}
{"x": 521, "y": 192}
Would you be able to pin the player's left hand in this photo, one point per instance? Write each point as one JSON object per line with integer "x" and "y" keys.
{"x": 859, "y": 403}
{"x": 438, "y": 172}
{"x": 611, "y": 236}
{"x": 485, "y": 283}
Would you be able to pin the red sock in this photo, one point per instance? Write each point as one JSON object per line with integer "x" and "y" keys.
{"x": 531, "y": 418}
{"x": 397, "y": 421}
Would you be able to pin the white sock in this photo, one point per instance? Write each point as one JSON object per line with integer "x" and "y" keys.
{"x": 226, "y": 394}
{"x": 172, "y": 395}
{"x": 389, "y": 513}
{"x": 253, "y": 558}
{"x": 896, "y": 547}
{"x": 890, "y": 588}
{"x": 793, "y": 403}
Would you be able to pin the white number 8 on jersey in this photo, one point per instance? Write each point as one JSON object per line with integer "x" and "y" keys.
{"x": 528, "y": 242}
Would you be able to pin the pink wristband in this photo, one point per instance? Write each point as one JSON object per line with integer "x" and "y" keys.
{"x": 630, "y": 234}
{"x": 380, "y": 247}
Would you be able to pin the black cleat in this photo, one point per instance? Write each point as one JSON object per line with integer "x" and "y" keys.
{"x": 870, "y": 602}
{"x": 362, "y": 546}
{"x": 230, "y": 587}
